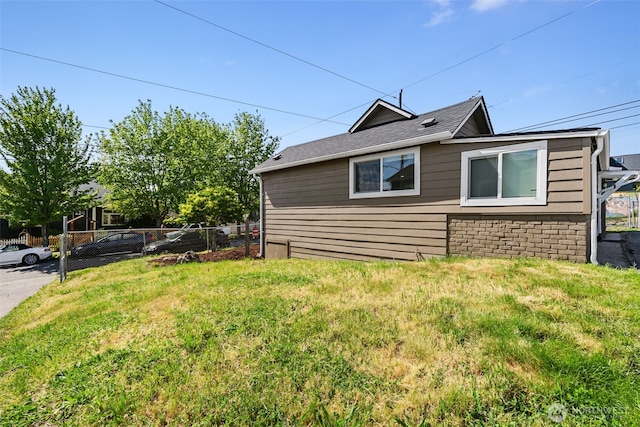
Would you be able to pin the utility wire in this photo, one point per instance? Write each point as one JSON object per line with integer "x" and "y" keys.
{"x": 624, "y": 126}
{"x": 572, "y": 79}
{"x": 526, "y": 33}
{"x": 576, "y": 117}
{"x": 471, "y": 58}
{"x": 613, "y": 120}
{"x": 96, "y": 127}
{"x": 297, "y": 58}
{"x": 122, "y": 76}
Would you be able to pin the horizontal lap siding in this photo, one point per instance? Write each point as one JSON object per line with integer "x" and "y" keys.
{"x": 568, "y": 186}
{"x": 343, "y": 234}
{"x": 309, "y": 206}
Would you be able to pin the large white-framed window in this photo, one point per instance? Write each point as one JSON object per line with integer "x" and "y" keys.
{"x": 505, "y": 176}
{"x": 391, "y": 174}
{"x": 112, "y": 218}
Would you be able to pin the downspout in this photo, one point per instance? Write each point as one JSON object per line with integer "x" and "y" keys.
{"x": 262, "y": 242}
{"x": 595, "y": 199}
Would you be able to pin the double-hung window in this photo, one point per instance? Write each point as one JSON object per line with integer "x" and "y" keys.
{"x": 395, "y": 173}
{"x": 505, "y": 176}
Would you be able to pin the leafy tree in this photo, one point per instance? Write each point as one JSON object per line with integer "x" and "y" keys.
{"x": 47, "y": 163}
{"x": 247, "y": 145}
{"x": 212, "y": 206}
{"x": 151, "y": 162}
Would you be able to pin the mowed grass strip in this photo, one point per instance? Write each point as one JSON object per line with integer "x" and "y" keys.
{"x": 294, "y": 343}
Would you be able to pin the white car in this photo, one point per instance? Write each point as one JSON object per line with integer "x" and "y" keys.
{"x": 18, "y": 253}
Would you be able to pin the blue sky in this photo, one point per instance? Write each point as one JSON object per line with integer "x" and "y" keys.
{"x": 533, "y": 61}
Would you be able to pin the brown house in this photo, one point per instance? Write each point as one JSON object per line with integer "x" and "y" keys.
{"x": 401, "y": 186}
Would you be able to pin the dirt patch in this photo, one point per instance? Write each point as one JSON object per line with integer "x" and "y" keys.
{"x": 222, "y": 255}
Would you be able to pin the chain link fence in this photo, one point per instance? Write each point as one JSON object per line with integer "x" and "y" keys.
{"x": 84, "y": 249}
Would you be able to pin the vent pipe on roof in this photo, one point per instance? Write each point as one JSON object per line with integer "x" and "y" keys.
{"x": 429, "y": 122}
{"x": 400, "y": 99}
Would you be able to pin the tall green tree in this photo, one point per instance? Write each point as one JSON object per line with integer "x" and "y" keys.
{"x": 248, "y": 144}
{"x": 150, "y": 162}
{"x": 47, "y": 162}
{"x": 212, "y": 206}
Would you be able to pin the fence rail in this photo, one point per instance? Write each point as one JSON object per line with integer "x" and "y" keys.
{"x": 80, "y": 237}
{"x": 54, "y": 241}
{"x": 83, "y": 249}
{"x": 17, "y": 240}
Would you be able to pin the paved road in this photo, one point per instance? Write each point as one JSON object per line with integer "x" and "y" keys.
{"x": 20, "y": 282}
{"x": 620, "y": 250}
{"x": 631, "y": 247}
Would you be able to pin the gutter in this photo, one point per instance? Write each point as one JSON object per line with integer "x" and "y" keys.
{"x": 262, "y": 242}
{"x": 595, "y": 198}
{"x": 523, "y": 137}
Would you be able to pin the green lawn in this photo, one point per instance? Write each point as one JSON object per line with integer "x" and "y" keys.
{"x": 460, "y": 342}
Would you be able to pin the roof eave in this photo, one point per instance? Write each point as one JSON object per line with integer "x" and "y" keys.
{"x": 528, "y": 137}
{"x": 440, "y": 136}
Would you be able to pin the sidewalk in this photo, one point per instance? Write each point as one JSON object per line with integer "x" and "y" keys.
{"x": 620, "y": 250}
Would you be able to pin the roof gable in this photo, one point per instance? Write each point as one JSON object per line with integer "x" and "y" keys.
{"x": 476, "y": 123}
{"x": 380, "y": 113}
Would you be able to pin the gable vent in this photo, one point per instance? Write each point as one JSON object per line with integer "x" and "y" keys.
{"x": 429, "y": 122}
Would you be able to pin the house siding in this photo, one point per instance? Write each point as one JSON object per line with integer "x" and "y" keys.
{"x": 308, "y": 208}
{"x": 470, "y": 128}
{"x": 382, "y": 117}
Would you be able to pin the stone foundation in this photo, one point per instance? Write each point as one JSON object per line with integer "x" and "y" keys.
{"x": 558, "y": 237}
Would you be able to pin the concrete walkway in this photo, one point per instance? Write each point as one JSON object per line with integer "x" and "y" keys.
{"x": 18, "y": 283}
{"x": 620, "y": 250}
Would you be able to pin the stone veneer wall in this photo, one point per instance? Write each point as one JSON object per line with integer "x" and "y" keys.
{"x": 559, "y": 237}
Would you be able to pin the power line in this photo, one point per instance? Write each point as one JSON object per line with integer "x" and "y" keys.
{"x": 297, "y": 58}
{"x": 97, "y": 127}
{"x": 613, "y": 120}
{"x": 471, "y": 58}
{"x": 526, "y": 33}
{"x": 569, "y": 80}
{"x": 122, "y": 76}
{"x": 327, "y": 119}
{"x": 624, "y": 126}
{"x": 576, "y": 117}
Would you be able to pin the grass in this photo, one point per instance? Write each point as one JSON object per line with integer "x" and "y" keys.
{"x": 620, "y": 228}
{"x": 459, "y": 342}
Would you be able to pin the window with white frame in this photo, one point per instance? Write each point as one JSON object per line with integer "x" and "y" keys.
{"x": 112, "y": 218}
{"x": 505, "y": 176}
{"x": 395, "y": 173}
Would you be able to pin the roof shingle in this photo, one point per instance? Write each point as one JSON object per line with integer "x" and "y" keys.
{"x": 448, "y": 119}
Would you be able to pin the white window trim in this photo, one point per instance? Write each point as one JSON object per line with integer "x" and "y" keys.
{"x": 398, "y": 193}
{"x": 541, "y": 175}
{"x": 107, "y": 215}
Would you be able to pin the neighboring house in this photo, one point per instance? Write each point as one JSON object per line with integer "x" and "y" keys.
{"x": 97, "y": 217}
{"x": 94, "y": 218}
{"x": 623, "y": 204}
{"x": 401, "y": 186}
{"x": 4, "y": 228}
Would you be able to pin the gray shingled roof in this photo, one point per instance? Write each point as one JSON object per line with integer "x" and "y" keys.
{"x": 629, "y": 161}
{"x": 448, "y": 119}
